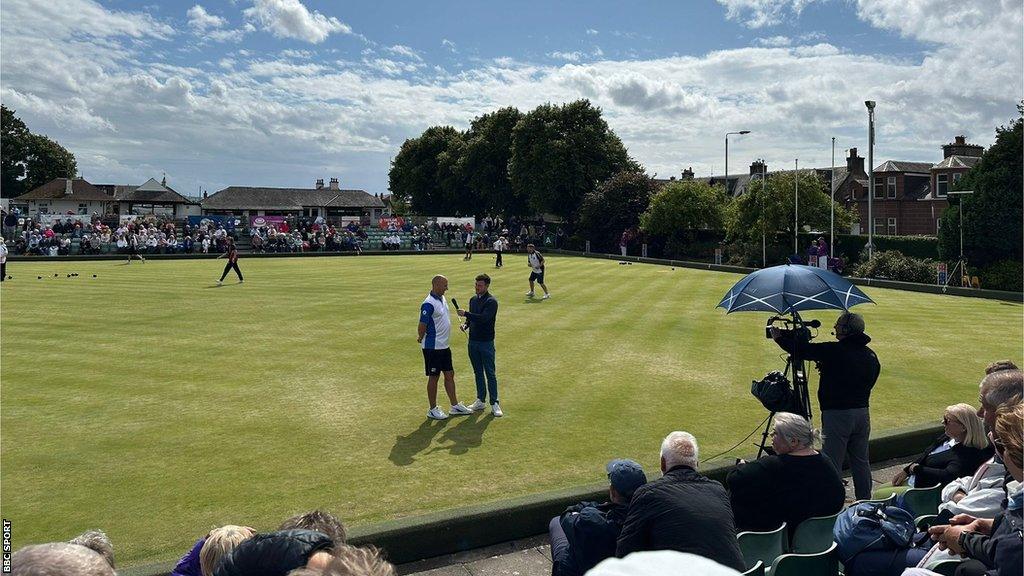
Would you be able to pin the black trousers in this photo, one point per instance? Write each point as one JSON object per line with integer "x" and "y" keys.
{"x": 3, "y": 271}
{"x": 229, "y": 266}
{"x": 497, "y": 262}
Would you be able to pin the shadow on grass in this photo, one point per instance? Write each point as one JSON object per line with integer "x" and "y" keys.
{"x": 466, "y": 435}
{"x": 407, "y": 447}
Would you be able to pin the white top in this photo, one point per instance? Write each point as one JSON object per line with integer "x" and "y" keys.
{"x": 499, "y": 245}
{"x": 434, "y": 313}
{"x": 535, "y": 262}
{"x": 3, "y": 253}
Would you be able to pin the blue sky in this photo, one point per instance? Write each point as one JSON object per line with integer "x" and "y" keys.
{"x": 282, "y": 92}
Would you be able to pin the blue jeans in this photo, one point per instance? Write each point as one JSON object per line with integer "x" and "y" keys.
{"x": 481, "y": 356}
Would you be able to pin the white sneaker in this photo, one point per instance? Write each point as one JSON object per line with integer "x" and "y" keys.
{"x": 459, "y": 410}
{"x": 478, "y": 405}
{"x": 436, "y": 414}
{"x": 220, "y": 283}
{"x": 529, "y": 294}
{"x": 546, "y": 296}
{"x": 496, "y": 410}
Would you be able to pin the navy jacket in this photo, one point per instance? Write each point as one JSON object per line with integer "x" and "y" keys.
{"x": 592, "y": 530}
{"x": 483, "y": 309}
{"x": 273, "y": 554}
{"x": 849, "y": 369}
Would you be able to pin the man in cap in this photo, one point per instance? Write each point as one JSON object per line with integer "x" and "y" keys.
{"x": 849, "y": 370}
{"x": 587, "y": 532}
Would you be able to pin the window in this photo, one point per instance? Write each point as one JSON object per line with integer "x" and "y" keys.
{"x": 83, "y": 208}
{"x": 892, "y": 226}
{"x": 890, "y": 187}
{"x": 879, "y": 226}
{"x": 879, "y": 190}
{"x": 956, "y": 177}
{"x": 938, "y": 225}
{"x": 941, "y": 185}
{"x": 44, "y": 208}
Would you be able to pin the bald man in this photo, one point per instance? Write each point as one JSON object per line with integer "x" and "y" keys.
{"x": 433, "y": 331}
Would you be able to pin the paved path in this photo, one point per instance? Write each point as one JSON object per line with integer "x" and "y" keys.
{"x": 532, "y": 556}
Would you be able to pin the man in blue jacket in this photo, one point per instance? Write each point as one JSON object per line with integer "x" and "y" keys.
{"x": 483, "y": 310}
{"x": 587, "y": 532}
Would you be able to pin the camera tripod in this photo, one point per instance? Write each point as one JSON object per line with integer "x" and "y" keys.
{"x": 801, "y": 394}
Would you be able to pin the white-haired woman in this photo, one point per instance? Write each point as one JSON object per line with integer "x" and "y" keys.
{"x": 959, "y": 451}
{"x": 795, "y": 484}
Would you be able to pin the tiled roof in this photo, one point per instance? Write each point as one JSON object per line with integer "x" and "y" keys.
{"x": 55, "y": 190}
{"x": 150, "y": 192}
{"x": 958, "y": 162}
{"x": 902, "y": 166}
{"x": 255, "y": 198}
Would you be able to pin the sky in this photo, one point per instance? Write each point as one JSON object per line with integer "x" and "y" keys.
{"x": 283, "y": 92}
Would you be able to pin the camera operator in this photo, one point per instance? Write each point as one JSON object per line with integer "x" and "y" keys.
{"x": 848, "y": 371}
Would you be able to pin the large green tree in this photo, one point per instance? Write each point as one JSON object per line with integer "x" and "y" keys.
{"x": 562, "y": 152}
{"x": 767, "y": 207}
{"x": 29, "y": 160}
{"x": 425, "y": 170}
{"x": 993, "y": 213}
{"x": 484, "y": 164}
{"x": 615, "y": 206}
{"x": 683, "y": 207}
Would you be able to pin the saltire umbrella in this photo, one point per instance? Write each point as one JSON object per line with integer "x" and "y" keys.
{"x": 790, "y": 288}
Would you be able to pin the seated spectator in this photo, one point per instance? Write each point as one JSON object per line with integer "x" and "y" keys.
{"x": 993, "y": 546}
{"x": 682, "y": 510}
{"x": 277, "y": 553}
{"x": 661, "y": 563}
{"x": 219, "y": 543}
{"x": 587, "y": 532}
{"x": 352, "y": 561}
{"x": 318, "y": 521}
{"x": 795, "y": 484}
{"x": 90, "y": 554}
{"x": 960, "y": 449}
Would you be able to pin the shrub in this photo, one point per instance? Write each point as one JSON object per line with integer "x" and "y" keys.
{"x": 1003, "y": 275}
{"x": 893, "y": 265}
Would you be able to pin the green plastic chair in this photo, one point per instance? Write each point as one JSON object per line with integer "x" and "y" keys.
{"x": 946, "y": 567}
{"x": 762, "y": 546}
{"x": 922, "y": 501}
{"x": 813, "y": 535}
{"x": 889, "y": 500}
{"x": 821, "y": 564}
{"x": 757, "y": 570}
{"x": 926, "y": 521}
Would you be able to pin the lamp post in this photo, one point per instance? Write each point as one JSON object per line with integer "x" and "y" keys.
{"x": 796, "y": 206}
{"x": 871, "y": 176}
{"x": 764, "y": 181}
{"x": 832, "y": 203}
{"x": 960, "y": 208}
{"x": 727, "y": 134}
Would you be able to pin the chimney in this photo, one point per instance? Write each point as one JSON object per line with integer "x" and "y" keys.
{"x": 688, "y": 174}
{"x": 757, "y": 167}
{"x": 163, "y": 181}
{"x": 854, "y": 163}
{"x": 319, "y": 183}
{"x": 205, "y": 194}
{"x": 671, "y": 178}
{"x": 334, "y": 183}
{"x": 960, "y": 147}
{"x": 68, "y": 191}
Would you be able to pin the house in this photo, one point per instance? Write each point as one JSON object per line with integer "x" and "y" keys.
{"x": 64, "y": 196}
{"x": 151, "y": 197}
{"x": 331, "y": 202}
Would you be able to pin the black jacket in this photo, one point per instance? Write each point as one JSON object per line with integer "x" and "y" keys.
{"x": 682, "y": 511}
{"x": 481, "y": 315}
{"x": 946, "y": 466}
{"x": 849, "y": 369}
{"x": 592, "y": 530}
{"x": 273, "y": 554}
{"x": 790, "y": 489}
{"x": 1002, "y": 551}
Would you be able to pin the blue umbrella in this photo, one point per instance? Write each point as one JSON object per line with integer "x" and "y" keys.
{"x": 792, "y": 288}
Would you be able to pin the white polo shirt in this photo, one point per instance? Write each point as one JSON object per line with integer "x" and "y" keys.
{"x": 434, "y": 313}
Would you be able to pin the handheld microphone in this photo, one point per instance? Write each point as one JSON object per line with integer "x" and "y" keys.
{"x": 811, "y": 324}
{"x": 456, "y": 303}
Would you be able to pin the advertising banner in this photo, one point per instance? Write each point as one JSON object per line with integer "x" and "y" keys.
{"x": 941, "y": 273}
{"x": 49, "y": 219}
{"x": 210, "y": 219}
{"x": 261, "y": 221}
{"x": 385, "y": 222}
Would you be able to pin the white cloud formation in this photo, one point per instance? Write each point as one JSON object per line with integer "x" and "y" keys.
{"x": 774, "y": 41}
{"x": 449, "y": 45}
{"x": 291, "y": 19}
{"x": 592, "y": 32}
{"x": 200, "y": 20}
{"x": 761, "y": 13}
{"x": 285, "y": 118}
{"x": 567, "y": 56}
{"x": 405, "y": 51}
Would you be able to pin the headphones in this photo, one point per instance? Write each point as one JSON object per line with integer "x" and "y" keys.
{"x": 848, "y": 323}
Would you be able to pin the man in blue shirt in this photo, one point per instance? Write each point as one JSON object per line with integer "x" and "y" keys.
{"x": 483, "y": 309}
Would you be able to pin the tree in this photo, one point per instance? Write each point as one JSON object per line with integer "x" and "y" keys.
{"x": 615, "y": 206}
{"x": 767, "y": 207}
{"x": 993, "y": 214}
{"x": 684, "y": 206}
{"x": 29, "y": 160}
{"x": 559, "y": 153}
{"x": 485, "y": 162}
{"x": 424, "y": 171}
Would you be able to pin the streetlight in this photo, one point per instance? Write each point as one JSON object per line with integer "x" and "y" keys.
{"x": 796, "y": 206}
{"x": 960, "y": 208}
{"x": 832, "y": 203}
{"x": 727, "y": 134}
{"x": 871, "y": 176}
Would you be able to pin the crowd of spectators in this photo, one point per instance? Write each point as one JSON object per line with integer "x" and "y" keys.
{"x": 307, "y": 235}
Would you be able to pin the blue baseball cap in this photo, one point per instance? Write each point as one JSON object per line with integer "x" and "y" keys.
{"x": 626, "y": 476}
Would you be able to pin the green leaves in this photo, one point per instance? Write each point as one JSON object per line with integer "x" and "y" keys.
{"x": 29, "y": 160}
{"x": 685, "y": 205}
{"x": 615, "y": 206}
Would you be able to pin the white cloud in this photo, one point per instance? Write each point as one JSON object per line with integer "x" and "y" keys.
{"x": 774, "y": 41}
{"x": 291, "y": 19}
{"x": 567, "y": 56}
{"x": 200, "y": 20}
{"x": 405, "y": 51}
{"x": 761, "y": 13}
{"x": 592, "y": 32}
{"x": 449, "y": 45}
